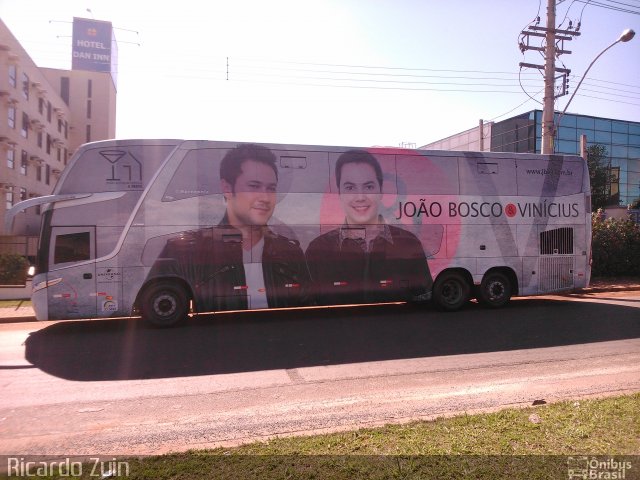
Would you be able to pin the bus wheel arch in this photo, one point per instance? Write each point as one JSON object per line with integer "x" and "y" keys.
{"x": 452, "y": 289}
{"x": 497, "y": 287}
{"x": 164, "y": 302}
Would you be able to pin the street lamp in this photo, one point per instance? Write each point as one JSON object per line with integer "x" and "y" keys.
{"x": 627, "y": 35}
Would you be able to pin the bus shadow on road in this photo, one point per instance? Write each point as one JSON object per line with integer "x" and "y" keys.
{"x": 125, "y": 349}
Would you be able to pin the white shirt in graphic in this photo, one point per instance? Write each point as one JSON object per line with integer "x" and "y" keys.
{"x": 254, "y": 276}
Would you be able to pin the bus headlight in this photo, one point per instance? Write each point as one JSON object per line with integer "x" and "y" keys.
{"x": 46, "y": 284}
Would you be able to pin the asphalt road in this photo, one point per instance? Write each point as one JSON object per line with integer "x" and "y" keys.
{"x": 116, "y": 387}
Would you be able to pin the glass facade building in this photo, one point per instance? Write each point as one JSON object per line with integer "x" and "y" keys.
{"x": 620, "y": 138}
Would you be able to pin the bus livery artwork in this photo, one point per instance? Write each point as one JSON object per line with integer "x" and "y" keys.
{"x": 365, "y": 259}
{"x": 238, "y": 263}
{"x": 174, "y": 227}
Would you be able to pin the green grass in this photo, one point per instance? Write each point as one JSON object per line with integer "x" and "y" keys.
{"x": 15, "y": 303}
{"x": 568, "y": 428}
{"x": 505, "y": 444}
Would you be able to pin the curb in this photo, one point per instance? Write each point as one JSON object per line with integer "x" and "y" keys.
{"x": 581, "y": 291}
{"x": 22, "y": 318}
{"x": 629, "y": 288}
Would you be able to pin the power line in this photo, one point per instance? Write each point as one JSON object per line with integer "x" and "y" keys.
{"x": 377, "y": 67}
{"x": 527, "y": 93}
{"x": 378, "y": 80}
{"x": 392, "y": 75}
{"x": 377, "y": 87}
{"x": 515, "y": 108}
{"x": 611, "y": 89}
{"x": 609, "y": 100}
{"x": 612, "y": 7}
{"x": 613, "y": 83}
{"x": 611, "y": 94}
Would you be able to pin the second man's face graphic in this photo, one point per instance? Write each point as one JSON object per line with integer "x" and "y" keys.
{"x": 360, "y": 193}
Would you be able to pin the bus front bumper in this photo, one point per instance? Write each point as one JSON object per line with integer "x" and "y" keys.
{"x": 39, "y": 297}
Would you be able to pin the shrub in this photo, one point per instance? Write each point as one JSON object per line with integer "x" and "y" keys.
{"x": 615, "y": 247}
{"x": 13, "y": 269}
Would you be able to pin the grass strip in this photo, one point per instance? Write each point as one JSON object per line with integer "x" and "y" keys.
{"x": 15, "y": 303}
{"x": 543, "y": 442}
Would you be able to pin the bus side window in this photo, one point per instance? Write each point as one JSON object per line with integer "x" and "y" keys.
{"x": 72, "y": 247}
{"x": 197, "y": 175}
{"x": 481, "y": 176}
{"x": 301, "y": 172}
{"x": 427, "y": 175}
{"x": 72, "y": 244}
{"x": 548, "y": 178}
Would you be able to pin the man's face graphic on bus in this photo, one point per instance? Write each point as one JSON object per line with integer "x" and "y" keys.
{"x": 253, "y": 197}
{"x": 360, "y": 193}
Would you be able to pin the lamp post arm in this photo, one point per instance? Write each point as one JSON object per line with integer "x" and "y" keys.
{"x": 557, "y": 123}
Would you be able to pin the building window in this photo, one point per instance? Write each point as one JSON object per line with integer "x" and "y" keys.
{"x": 603, "y": 124}
{"x": 11, "y": 158}
{"x": 89, "y": 88}
{"x": 48, "y": 144}
{"x": 602, "y": 137}
{"x": 23, "y": 193}
{"x": 11, "y": 117}
{"x": 24, "y": 131}
{"x": 13, "y": 75}
{"x": 39, "y": 173}
{"x": 41, "y": 106}
{"x": 614, "y": 186}
{"x": 64, "y": 89}
{"x": 49, "y": 112}
{"x": 25, "y": 86}
{"x": 88, "y": 136}
{"x": 8, "y": 199}
{"x": 88, "y": 108}
{"x": 59, "y": 154}
{"x": 40, "y": 135}
{"x": 66, "y": 129}
{"x": 23, "y": 162}
{"x": 59, "y": 125}
{"x": 47, "y": 174}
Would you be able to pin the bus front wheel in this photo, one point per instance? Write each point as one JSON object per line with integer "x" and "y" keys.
{"x": 451, "y": 291}
{"x": 495, "y": 290}
{"x": 164, "y": 304}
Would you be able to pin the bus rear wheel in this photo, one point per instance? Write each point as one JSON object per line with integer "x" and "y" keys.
{"x": 495, "y": 290}
{"x": 164, "y": 304}
{"x": 451, "y": 291}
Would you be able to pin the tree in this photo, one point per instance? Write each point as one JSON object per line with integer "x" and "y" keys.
{"x": 13, "y": 269}
{"x": 615, "y": 247}
{"x": 600, "y": 176}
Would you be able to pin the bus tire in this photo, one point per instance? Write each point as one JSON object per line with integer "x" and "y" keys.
{"x": 451, "y": 291}
{"x": 495, "y": 290}
{"x": 164, "y": 304}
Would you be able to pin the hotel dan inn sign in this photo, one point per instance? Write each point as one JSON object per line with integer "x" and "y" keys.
{"x": 92, "y": 40}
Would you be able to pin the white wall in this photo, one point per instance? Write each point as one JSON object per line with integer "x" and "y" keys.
{"x": 16, "y": 292}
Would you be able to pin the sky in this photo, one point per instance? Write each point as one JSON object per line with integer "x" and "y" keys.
{"x": 336, "y": 72}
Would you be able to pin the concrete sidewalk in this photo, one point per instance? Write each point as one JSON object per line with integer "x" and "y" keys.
{"x": 22, "y": 313}
{"x": 19, "y": 313}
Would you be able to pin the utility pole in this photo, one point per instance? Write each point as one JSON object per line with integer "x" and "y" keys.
{"x": 551, "y": 50}
{"x": 549, "y": 80}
